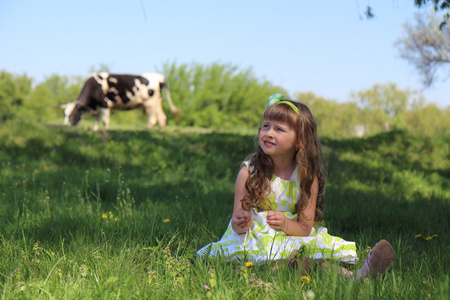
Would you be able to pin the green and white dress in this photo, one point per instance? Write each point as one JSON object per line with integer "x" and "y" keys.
{"x": 262, "y": 243}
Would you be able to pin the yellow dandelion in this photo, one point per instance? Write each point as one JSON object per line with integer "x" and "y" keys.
{"x": 305, "y": 279}
{"x": 418, "y": 235}
{"x": 116, "y": 219}
{"x": 104, "y": 216}
{"x": 434, "y": 236}
{"x": 53, "y": 253}
{"x": 249, "y": 264}
{"x": 429, "y": 238}
{"x": 166, "y": 220}
{"x": 110, "y": 212}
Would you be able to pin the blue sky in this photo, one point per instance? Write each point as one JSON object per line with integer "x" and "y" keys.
{"x": 326, "y": 47}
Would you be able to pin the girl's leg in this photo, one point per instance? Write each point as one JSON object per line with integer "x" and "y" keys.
{"x": 299, "y": 263}
{"x": 378, "y": 262}
{"x": 330, "y": 266}
{"x": 306, "y": 265}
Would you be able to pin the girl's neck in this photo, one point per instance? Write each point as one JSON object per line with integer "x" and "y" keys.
{"x": 283, "y": 168}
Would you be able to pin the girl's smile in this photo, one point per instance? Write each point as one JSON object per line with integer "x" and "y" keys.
{"x": 269, "y": 144}
{"x": 277, "y": 138}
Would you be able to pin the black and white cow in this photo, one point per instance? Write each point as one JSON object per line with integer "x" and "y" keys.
{"x": 103, "y": 92}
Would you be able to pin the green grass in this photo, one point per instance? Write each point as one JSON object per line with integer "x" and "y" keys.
{"x": 82, "y": 214}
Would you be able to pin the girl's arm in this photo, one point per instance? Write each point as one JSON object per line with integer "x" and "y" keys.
{"x": 305, "y": 221}
{"x": 241, "y": 219}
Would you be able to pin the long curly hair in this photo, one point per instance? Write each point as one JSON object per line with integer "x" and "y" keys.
{"x": 308, "y": 157}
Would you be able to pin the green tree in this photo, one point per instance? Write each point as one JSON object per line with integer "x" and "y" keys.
{"x": 335, "y": 120}
{"x": 14, "y": 90}
{"x": 438, "y": 6}
{"x": 387, "y": 97}
{"x": 426, "y": 46}
{"x": 217, "y": 95}
{"x": 101, "y": 68}
{"x": 429, "y": 120}
{"x": 383, "y": 105}
{"x": 45, "y": 99}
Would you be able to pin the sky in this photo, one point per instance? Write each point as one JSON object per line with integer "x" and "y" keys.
{"x": 326, "y": 47}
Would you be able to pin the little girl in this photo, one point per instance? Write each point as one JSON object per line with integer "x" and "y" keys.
{"x": 279, "y": 197}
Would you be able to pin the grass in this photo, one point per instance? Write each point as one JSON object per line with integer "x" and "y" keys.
{"x": 120, "y": 215}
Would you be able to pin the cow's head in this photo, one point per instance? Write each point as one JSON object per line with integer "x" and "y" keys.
{"x": 68, "y": 109}
{"x": 76, "y": 114}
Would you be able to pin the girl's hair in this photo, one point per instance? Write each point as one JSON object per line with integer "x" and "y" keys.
{"x": 308, "y": 157}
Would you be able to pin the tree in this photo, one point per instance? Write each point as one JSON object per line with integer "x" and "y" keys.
{"x": 217, "y": 95}
{"x": 429, "y": 120}
{"x": 438, "y": 6}
{"x": 14, "y": 90}
{"x": 101, "y": 68}
{"x": 426, "y": 46}
{"x": 384, "y": 104}
{"x": 334, "y": 119}
{"x": 45, "y": 99}
{"x": 387, "y": 97}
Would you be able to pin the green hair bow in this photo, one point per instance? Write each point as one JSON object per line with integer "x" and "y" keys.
{"x": 278, "y": 98}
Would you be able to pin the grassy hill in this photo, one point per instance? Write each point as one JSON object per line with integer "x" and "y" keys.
{"x": 120, "y": 214}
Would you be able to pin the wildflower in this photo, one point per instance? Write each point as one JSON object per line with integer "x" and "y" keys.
{"x": 429, "y": 238}
{"x": 53, "y": 253}
{"x": 166, "y": 220}
{"x": 434, "y": 236}
{"x": 206, "y": 287}
{"x": 110, "y": 213}
{"x": 305, "y": 279}
{"x": 418, "y": 235}
{"x": 310, "y": 295}
{"x": 104, "y": 216}
{"x": 249, "y": 264}
{"x": 116, "y": 219}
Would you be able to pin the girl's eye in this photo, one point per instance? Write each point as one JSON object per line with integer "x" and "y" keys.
{"x": 280, "y": 129}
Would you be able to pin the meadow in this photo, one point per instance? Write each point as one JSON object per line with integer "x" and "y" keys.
{"x": 120, "y": 214}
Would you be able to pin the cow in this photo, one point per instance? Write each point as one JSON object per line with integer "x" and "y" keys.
{"x": 103, "y": 92}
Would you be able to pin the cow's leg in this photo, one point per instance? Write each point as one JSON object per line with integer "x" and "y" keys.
{"x": 95, "y": 122}
{"x": 104, "y": 115}
{"x": 162, "y": 118}
{"x": 154, "y": 111}
{"x": 152, "y": 118}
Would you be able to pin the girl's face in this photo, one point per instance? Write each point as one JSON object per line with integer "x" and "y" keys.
{"x": 277, "y": 139}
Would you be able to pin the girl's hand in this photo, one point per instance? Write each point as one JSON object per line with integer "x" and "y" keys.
{"x": 243, "y": 220}
{"x": 277, "y": 220}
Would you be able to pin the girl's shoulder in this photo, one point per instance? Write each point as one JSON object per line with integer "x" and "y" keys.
{"x": 246, "y": 162}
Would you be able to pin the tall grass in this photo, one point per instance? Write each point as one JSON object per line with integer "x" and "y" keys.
{"x": 121, "y": 214}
